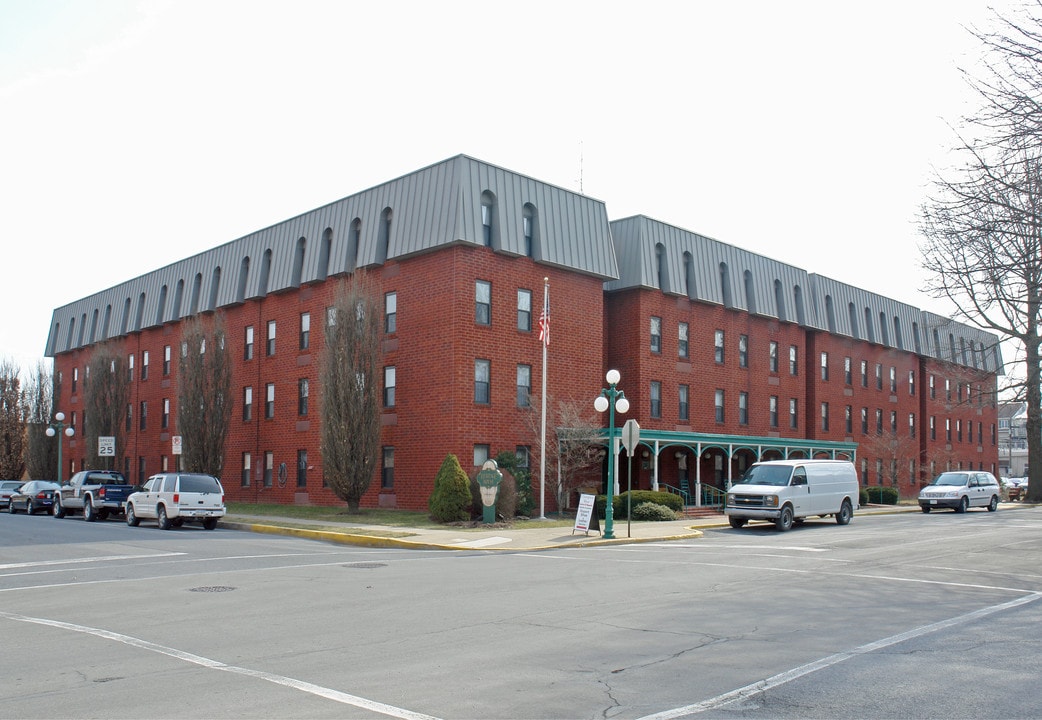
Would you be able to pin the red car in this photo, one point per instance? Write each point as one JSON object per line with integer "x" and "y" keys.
{"x": 1017, "y": 488}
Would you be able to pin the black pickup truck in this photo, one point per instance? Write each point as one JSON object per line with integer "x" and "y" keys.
{"x": 95, "y": 493}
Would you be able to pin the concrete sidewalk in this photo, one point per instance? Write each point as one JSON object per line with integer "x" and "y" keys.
{"x": 525, "y": 535}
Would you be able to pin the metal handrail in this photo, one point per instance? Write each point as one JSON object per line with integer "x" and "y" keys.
{"x": 676, "y": 491}
{"x": 713, "y": 497}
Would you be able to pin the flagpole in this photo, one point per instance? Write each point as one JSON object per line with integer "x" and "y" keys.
{"x": 544, "y": 331}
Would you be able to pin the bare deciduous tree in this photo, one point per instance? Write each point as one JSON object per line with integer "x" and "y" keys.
{"x": 107, "y": 393}
{"x": 982, "y": 223}
{"x": 12, "y": 422}
{"x": 350, "y": 390}
{"x": 898, "y": 452}
{"x": 204, "y": 379}
{"x": 573, "y": 444}
{"x": 1010, "y": 83}
{"x": 41, "y": 452}
{"x": 941, "y": 459}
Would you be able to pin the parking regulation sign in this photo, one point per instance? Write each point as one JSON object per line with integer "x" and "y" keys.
{"x": 106, "y": 446}
{"x": 176, "y": 442}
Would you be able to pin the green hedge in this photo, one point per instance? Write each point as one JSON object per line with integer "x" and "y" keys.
{"x": 653, "y": 511}
{"x": 881, "y": 495}
{"x": 618, "y": 504}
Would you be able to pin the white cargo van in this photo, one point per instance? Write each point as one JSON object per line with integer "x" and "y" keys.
{"x": 787, "y": 491}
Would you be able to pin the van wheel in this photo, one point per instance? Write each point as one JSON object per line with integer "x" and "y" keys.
{"x": 963, "y": 504}
{"x": 161, "y": 519}
{"x": 926, "y": 509}
{"x": 784, "y": 521}
{"x": 994, "y": 504}
{"x": 844, "y": 514}
{"x": 737, "y": 523}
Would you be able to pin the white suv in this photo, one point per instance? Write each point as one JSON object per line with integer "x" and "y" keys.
{"x": 959, "y": 490}
{"x": 172, "y": 498}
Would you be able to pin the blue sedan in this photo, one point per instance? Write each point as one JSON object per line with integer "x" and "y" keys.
{"x": 33, "y": 496}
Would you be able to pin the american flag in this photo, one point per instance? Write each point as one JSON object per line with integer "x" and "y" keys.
{"x": 544, "y": 323}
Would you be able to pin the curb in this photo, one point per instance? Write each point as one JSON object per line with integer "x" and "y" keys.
{"x": 375, "y": 541}
{"x": 337, "y": 537}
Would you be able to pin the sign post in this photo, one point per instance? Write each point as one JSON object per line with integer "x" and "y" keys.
{"x": 630, "y": 438}
{"x": 488, "y": 484}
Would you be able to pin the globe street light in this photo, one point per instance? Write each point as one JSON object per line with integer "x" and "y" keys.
{"x": 611, "y": 399}
{"x": 55, "y": 428}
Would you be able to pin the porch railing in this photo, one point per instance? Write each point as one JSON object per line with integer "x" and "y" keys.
{"x": 676, "y": 491}
{"x": 711, "y": 496}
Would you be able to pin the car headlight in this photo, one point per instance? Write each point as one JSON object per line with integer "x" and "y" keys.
{"x": 770, "y": 501}
{"x": 952, "y": 493}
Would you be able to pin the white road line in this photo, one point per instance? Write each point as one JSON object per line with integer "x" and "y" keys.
{"x": 798, "y": 672}
{"x": 708, "y": 546}
{"x": 301, "y": 685}
{"x": 76, "y": 561}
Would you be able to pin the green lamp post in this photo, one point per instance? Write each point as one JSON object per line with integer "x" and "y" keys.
{"x": 56, "y": 428}
{"x": 611, "y": 399}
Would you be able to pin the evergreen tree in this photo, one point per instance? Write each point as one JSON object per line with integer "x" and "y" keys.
{"x": 450, "y": 500}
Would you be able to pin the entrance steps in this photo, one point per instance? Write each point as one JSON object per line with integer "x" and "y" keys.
{"x": 691, "y": 511}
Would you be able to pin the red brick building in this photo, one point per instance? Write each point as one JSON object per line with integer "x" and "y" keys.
{"x": 726, "y": 356}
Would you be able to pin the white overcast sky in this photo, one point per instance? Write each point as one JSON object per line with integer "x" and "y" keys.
{"x": 136, "y": 133}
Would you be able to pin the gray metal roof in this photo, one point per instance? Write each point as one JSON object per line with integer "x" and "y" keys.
{"x": 656, "y": 255}
{"x": 653, "y": 254}
{"x": 863, "y": 315}
{"x": 432, "y": 207}
{"x": 961, "y": 344}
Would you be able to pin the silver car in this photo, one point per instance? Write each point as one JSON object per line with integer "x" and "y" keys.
{"x": 7, "y": 489}
{"x": 961, "y": 490}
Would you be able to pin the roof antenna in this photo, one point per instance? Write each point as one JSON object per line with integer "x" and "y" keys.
{"x": 581, "y": 167}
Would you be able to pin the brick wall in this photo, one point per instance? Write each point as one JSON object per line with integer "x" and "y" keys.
{"x": 433, "y": 351}
{"x": 437, "y": 341}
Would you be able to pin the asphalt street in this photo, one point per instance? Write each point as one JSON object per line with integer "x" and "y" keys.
{"x": 928, "y": 616}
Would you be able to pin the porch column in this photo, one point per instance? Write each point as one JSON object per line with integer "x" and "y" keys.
{"x": 654, "y": 474}
{"x": 698, "y": 475}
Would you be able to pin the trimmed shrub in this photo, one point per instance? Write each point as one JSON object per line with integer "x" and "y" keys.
{"x": 862, "y": 497}
{"x": 637, "y": 497}
{"x": 652, "y": 511}
{"x": 881, "y": 495}
{"x": 666, "y": 499}
{"x": 601, "y": 501}
{"x": 525, "y": 500}
{"x": 508, "y": 463}
{"x": 450, "y": 500}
